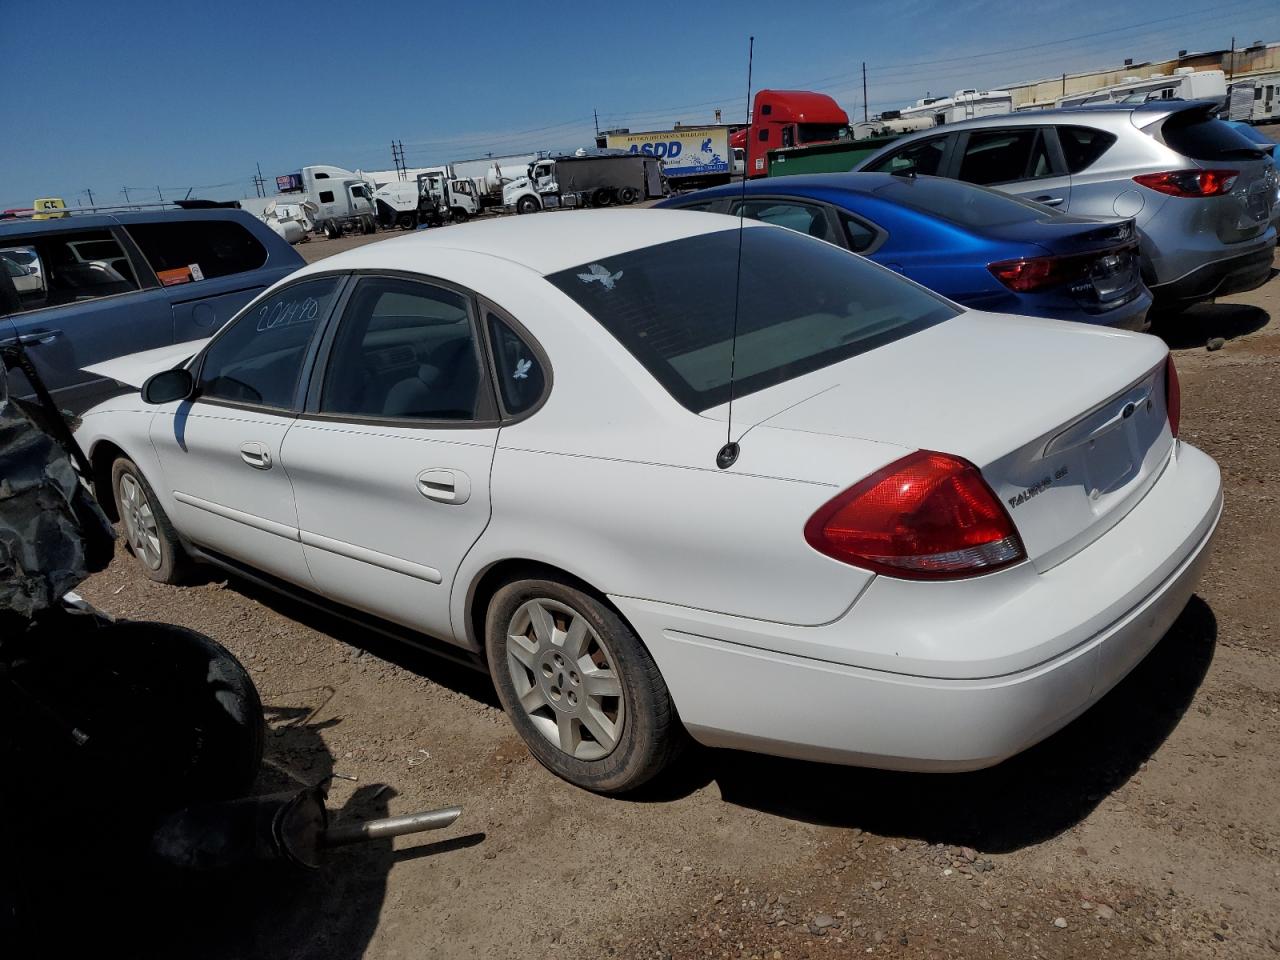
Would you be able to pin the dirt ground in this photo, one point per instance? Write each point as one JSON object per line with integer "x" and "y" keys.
{"x": 1148, "y": 828}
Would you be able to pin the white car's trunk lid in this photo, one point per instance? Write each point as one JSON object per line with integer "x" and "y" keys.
{"x": 1067, "y": 422}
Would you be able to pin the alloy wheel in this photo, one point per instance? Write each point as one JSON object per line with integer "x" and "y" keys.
{"x": 565, "y": 679}
{"x": 139, "y": 522}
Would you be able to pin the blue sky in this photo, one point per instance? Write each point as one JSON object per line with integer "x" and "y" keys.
{"x": 104, "y": 95}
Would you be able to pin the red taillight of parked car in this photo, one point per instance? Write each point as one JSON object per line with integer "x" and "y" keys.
{"x": 1028, "y": 274}
{"x": 1190, "y": 183}
{"x": 928, "y": 516}
{"x": 1172, "y": 395}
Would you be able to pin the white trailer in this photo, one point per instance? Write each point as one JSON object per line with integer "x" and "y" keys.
{"x": 1185, "y": 83}
{"x": 961, "y": 105}
{"x": 889, "y": 125}
{"x": 1266, "y": 98}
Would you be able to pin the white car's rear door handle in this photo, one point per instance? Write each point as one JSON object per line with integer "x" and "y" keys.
{"x": 1047, "y": 200}
{"x": 256, "y": 455}
{"x": 445, "y": 486}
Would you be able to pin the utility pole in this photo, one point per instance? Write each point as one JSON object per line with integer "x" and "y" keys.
{"x": 259, "y": 182}
{"x": 125, "y": 191}
{"x": 89, "y": 191}
{"x": 1064, "y": 84}
{"x": 397, "y": 159}
{"x": 159, "y": 194}
{"x": 1231, "y": 68}
{"x": 864, "y": 91}
{"x": 596, "y": 119}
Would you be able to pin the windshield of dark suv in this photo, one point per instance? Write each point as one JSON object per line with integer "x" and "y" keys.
{"x": 803, "y": 305}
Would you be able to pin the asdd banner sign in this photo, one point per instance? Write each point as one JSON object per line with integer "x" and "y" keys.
{"x": 687, "y": 152}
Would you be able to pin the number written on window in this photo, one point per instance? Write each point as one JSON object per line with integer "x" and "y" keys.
{"x": 258, "y": 358}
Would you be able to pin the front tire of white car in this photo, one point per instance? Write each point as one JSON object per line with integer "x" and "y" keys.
{"x": 580, "y": 687}
{"x": 148, "y": 533}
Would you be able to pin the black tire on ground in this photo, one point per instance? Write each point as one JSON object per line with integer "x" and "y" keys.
{"x": 332, "y": 230}
{"x": 188, "y": 703}
{"x": 627, "y": 195}
{"x": 602, "y": 197}
{"x": 458, "y": 215}
{"x": 170, "y": 564}
{"x": 528, "y": 205}
{"x": 651, "y": 737}
{"x": 407, "y": 221}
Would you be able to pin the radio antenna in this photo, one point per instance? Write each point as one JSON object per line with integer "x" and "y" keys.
{"x": 728, "y": 454}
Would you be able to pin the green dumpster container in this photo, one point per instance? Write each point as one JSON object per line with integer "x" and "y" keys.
{"x": 839, "y": 156}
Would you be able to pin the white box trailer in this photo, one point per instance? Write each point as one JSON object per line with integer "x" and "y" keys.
{"x": 691, "y": 156}
{"x": 961, "y": 105}
{"x": 1185, "y": 83}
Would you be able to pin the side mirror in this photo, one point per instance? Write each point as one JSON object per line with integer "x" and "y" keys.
{"x": 168, "y": 386}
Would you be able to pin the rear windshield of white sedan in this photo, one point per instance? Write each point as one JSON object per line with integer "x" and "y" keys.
{"x": 803, "y": 305}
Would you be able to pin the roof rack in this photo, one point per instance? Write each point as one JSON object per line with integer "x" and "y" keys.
{"x": 59, "y": 213}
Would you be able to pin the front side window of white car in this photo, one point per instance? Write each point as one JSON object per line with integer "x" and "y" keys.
{"x": 258, "y": 357}
{"x": 404, "y": 350}
{"x": 802, "y": 306}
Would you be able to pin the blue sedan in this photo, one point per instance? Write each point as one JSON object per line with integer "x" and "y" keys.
{"x": 980, "y": 248}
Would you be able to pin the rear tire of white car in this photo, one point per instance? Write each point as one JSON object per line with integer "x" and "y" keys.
{"x": 580, "y": 687}
{"x": 149, "y": 535}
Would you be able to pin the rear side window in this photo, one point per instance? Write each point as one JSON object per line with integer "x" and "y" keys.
{"x": 963, "y": 203}
{"x": 1194, "y": 136}
{"x": 803, "y": 306}
{"x": 800, "y": 217}
{"x": 404, "y": 350}
{"x": 54, "y": 269}
{"x": 185, "y": 251}
{"x": 924, "y": 157}
{"x": 1082, "y": 146}
{"x": 1003, "y": 156}
{"x": 257, "y": 359}
{"x": 859, "y": 235}
{"x": 521, "y": 379}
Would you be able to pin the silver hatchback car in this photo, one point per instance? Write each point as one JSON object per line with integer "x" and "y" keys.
{"x": 1203, "y": 196}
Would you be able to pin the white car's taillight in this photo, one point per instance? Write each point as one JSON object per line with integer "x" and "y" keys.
{"x": 928, "y": 516}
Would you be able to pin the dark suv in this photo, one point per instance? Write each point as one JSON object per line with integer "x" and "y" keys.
{"x": 98, "y": 286}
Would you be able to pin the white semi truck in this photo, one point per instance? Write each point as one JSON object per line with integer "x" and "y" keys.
{"x": 343, "y": 200}
{"x": 585, "y": 181}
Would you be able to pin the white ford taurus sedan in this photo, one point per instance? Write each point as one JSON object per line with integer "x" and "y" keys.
{"x": 945, "y": 533}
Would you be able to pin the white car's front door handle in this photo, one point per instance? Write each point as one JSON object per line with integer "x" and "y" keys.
{"x": 256, "y": 455}
{"x": 445, "y": 486}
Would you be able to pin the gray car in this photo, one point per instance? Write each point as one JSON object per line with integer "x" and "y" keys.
{"x": 1202, "y": 195}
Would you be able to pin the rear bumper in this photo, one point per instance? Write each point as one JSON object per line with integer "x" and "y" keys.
{"x": 1219, "y": 278}
{"x": 1127, "y": 316}
{"x": 742, "y": 684}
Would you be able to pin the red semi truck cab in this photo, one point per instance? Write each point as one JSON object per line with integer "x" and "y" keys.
{"x": 787, "y": 118}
